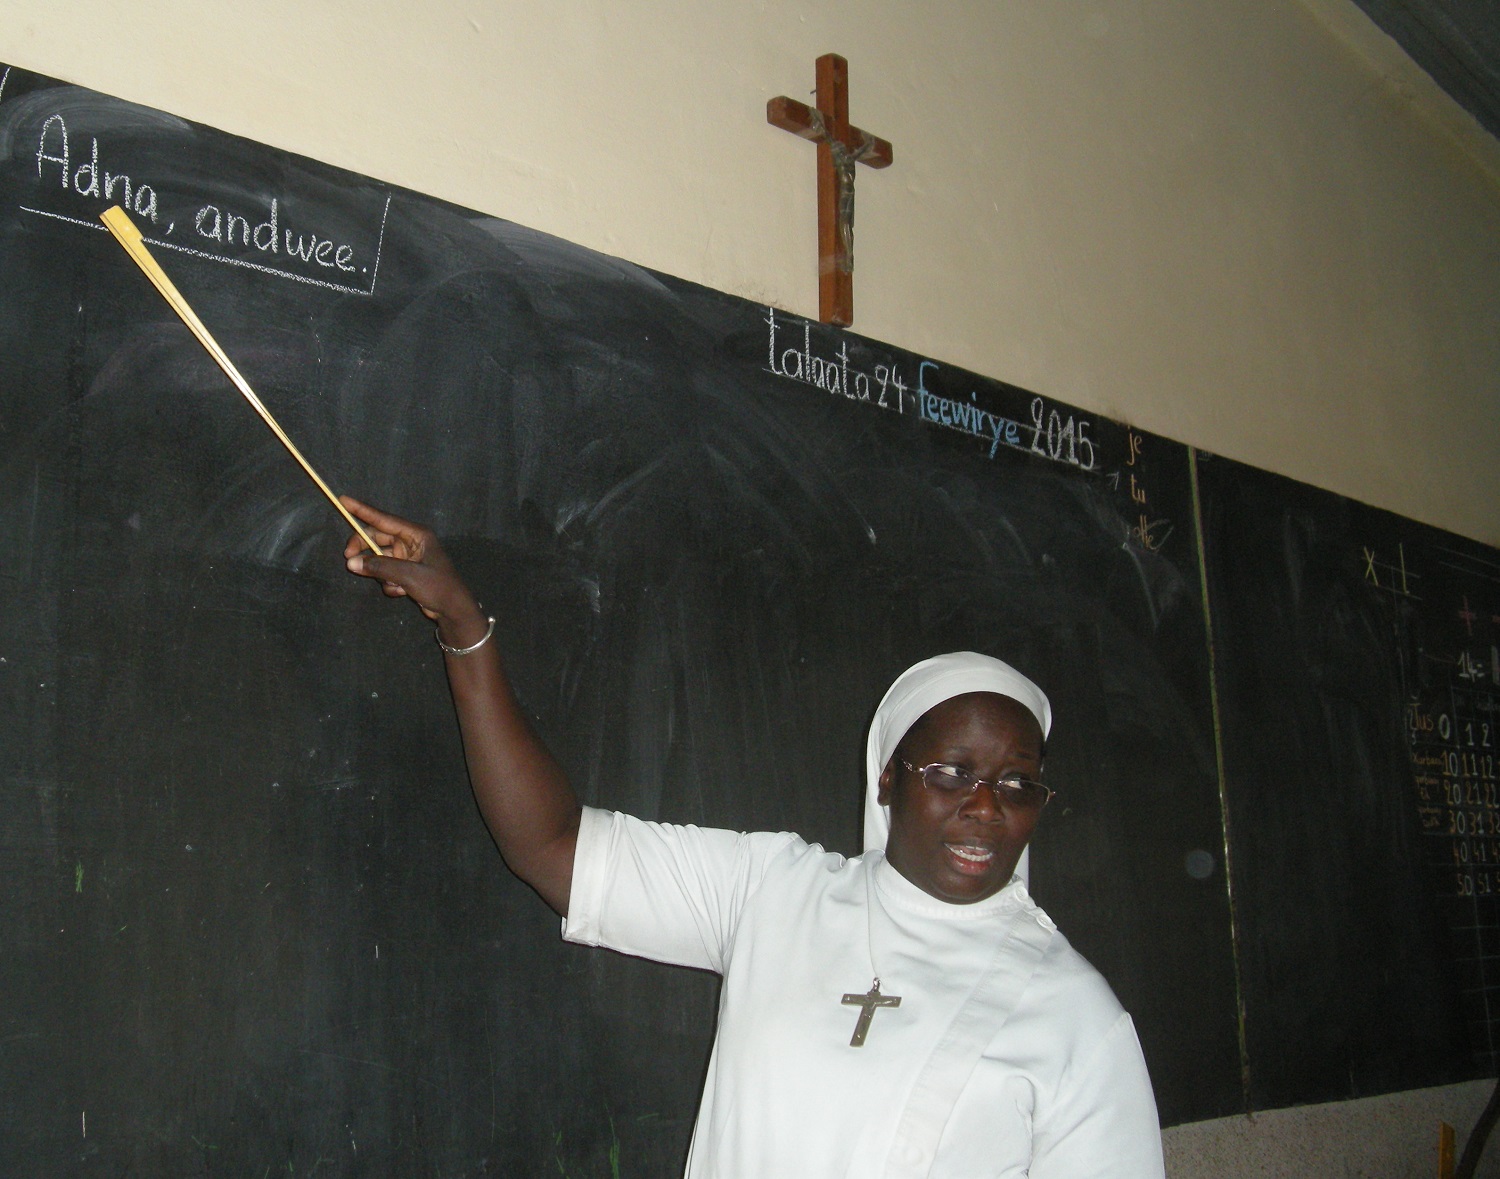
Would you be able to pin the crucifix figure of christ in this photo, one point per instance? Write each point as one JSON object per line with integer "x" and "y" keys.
{"x": 867, "y": 1002}
{"x": 840, "y": 147}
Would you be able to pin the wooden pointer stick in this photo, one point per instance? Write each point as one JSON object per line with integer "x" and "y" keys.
{"x": 119, "y": 224}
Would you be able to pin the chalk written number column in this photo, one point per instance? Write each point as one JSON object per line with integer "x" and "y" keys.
{"x": 1453, "y": 751}
{"x": 1453, "y": 756}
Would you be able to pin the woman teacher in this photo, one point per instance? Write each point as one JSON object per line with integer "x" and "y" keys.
{"x": 907, "y": 1012}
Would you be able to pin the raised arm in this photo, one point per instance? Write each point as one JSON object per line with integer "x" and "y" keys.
{"x": 523, "y": 793}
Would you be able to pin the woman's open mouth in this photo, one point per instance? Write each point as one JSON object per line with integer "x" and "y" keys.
{"x": 969, "y": 859}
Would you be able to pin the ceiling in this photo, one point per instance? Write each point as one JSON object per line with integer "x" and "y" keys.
{"x": 1456, "y": 41}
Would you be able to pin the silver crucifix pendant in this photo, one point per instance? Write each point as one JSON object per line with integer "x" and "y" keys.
{"x": 870, "y": 1000}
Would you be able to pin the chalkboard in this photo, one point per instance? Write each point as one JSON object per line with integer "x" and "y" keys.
{"x": 1358, "y": 677}
{"x": 253, "y": 921}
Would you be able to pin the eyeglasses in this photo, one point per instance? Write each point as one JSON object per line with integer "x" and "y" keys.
{"x": 1014, "y": 791}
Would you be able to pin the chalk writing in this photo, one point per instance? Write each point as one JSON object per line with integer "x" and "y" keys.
{"x": 1060, "y": 437}
{"x": 1452, "y": 723}
{"x": 890, "y": 381}
{"x": 829, "y": 373}
{"x": 967, "y": 418}
{"x": 4, "y": 78}
{"x": 1387, "y": 576}
{"x": 242, "y": 233}
{"x": 373, "y": 270}
{"x": 215, "y": 224}
{"x": 54, "y": 154}
{"x": 1145, "y": 532}
{"x": 1150, "y": 534}
{"x": 1454, "y": 768}
{"x": 1052, "y": 434}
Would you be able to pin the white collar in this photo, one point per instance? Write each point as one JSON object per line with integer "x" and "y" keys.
{"x": 898, "y": 892}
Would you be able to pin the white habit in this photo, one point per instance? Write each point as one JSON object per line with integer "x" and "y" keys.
{"x": 1008, "y": 1056}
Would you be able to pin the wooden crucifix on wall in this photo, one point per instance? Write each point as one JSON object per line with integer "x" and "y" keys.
{"x": 840, "y": 147}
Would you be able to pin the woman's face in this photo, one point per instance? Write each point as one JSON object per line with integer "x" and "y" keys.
{"x": 962, "y": 849}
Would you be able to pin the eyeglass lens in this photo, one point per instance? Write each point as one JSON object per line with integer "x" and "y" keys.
{"x": 1016, "y": 791}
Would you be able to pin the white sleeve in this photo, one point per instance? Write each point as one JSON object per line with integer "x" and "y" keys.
{"x": 672, "y": 893}
{"x": 1103, "y": 1124}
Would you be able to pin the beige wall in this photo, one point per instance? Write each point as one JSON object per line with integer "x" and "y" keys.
{"x": 1251, "y": 225}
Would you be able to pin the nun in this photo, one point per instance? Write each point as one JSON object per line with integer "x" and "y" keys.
{"x": 906, "y": 1012}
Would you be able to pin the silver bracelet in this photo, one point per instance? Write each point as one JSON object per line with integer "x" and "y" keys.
{"x": 447, "y": 650}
